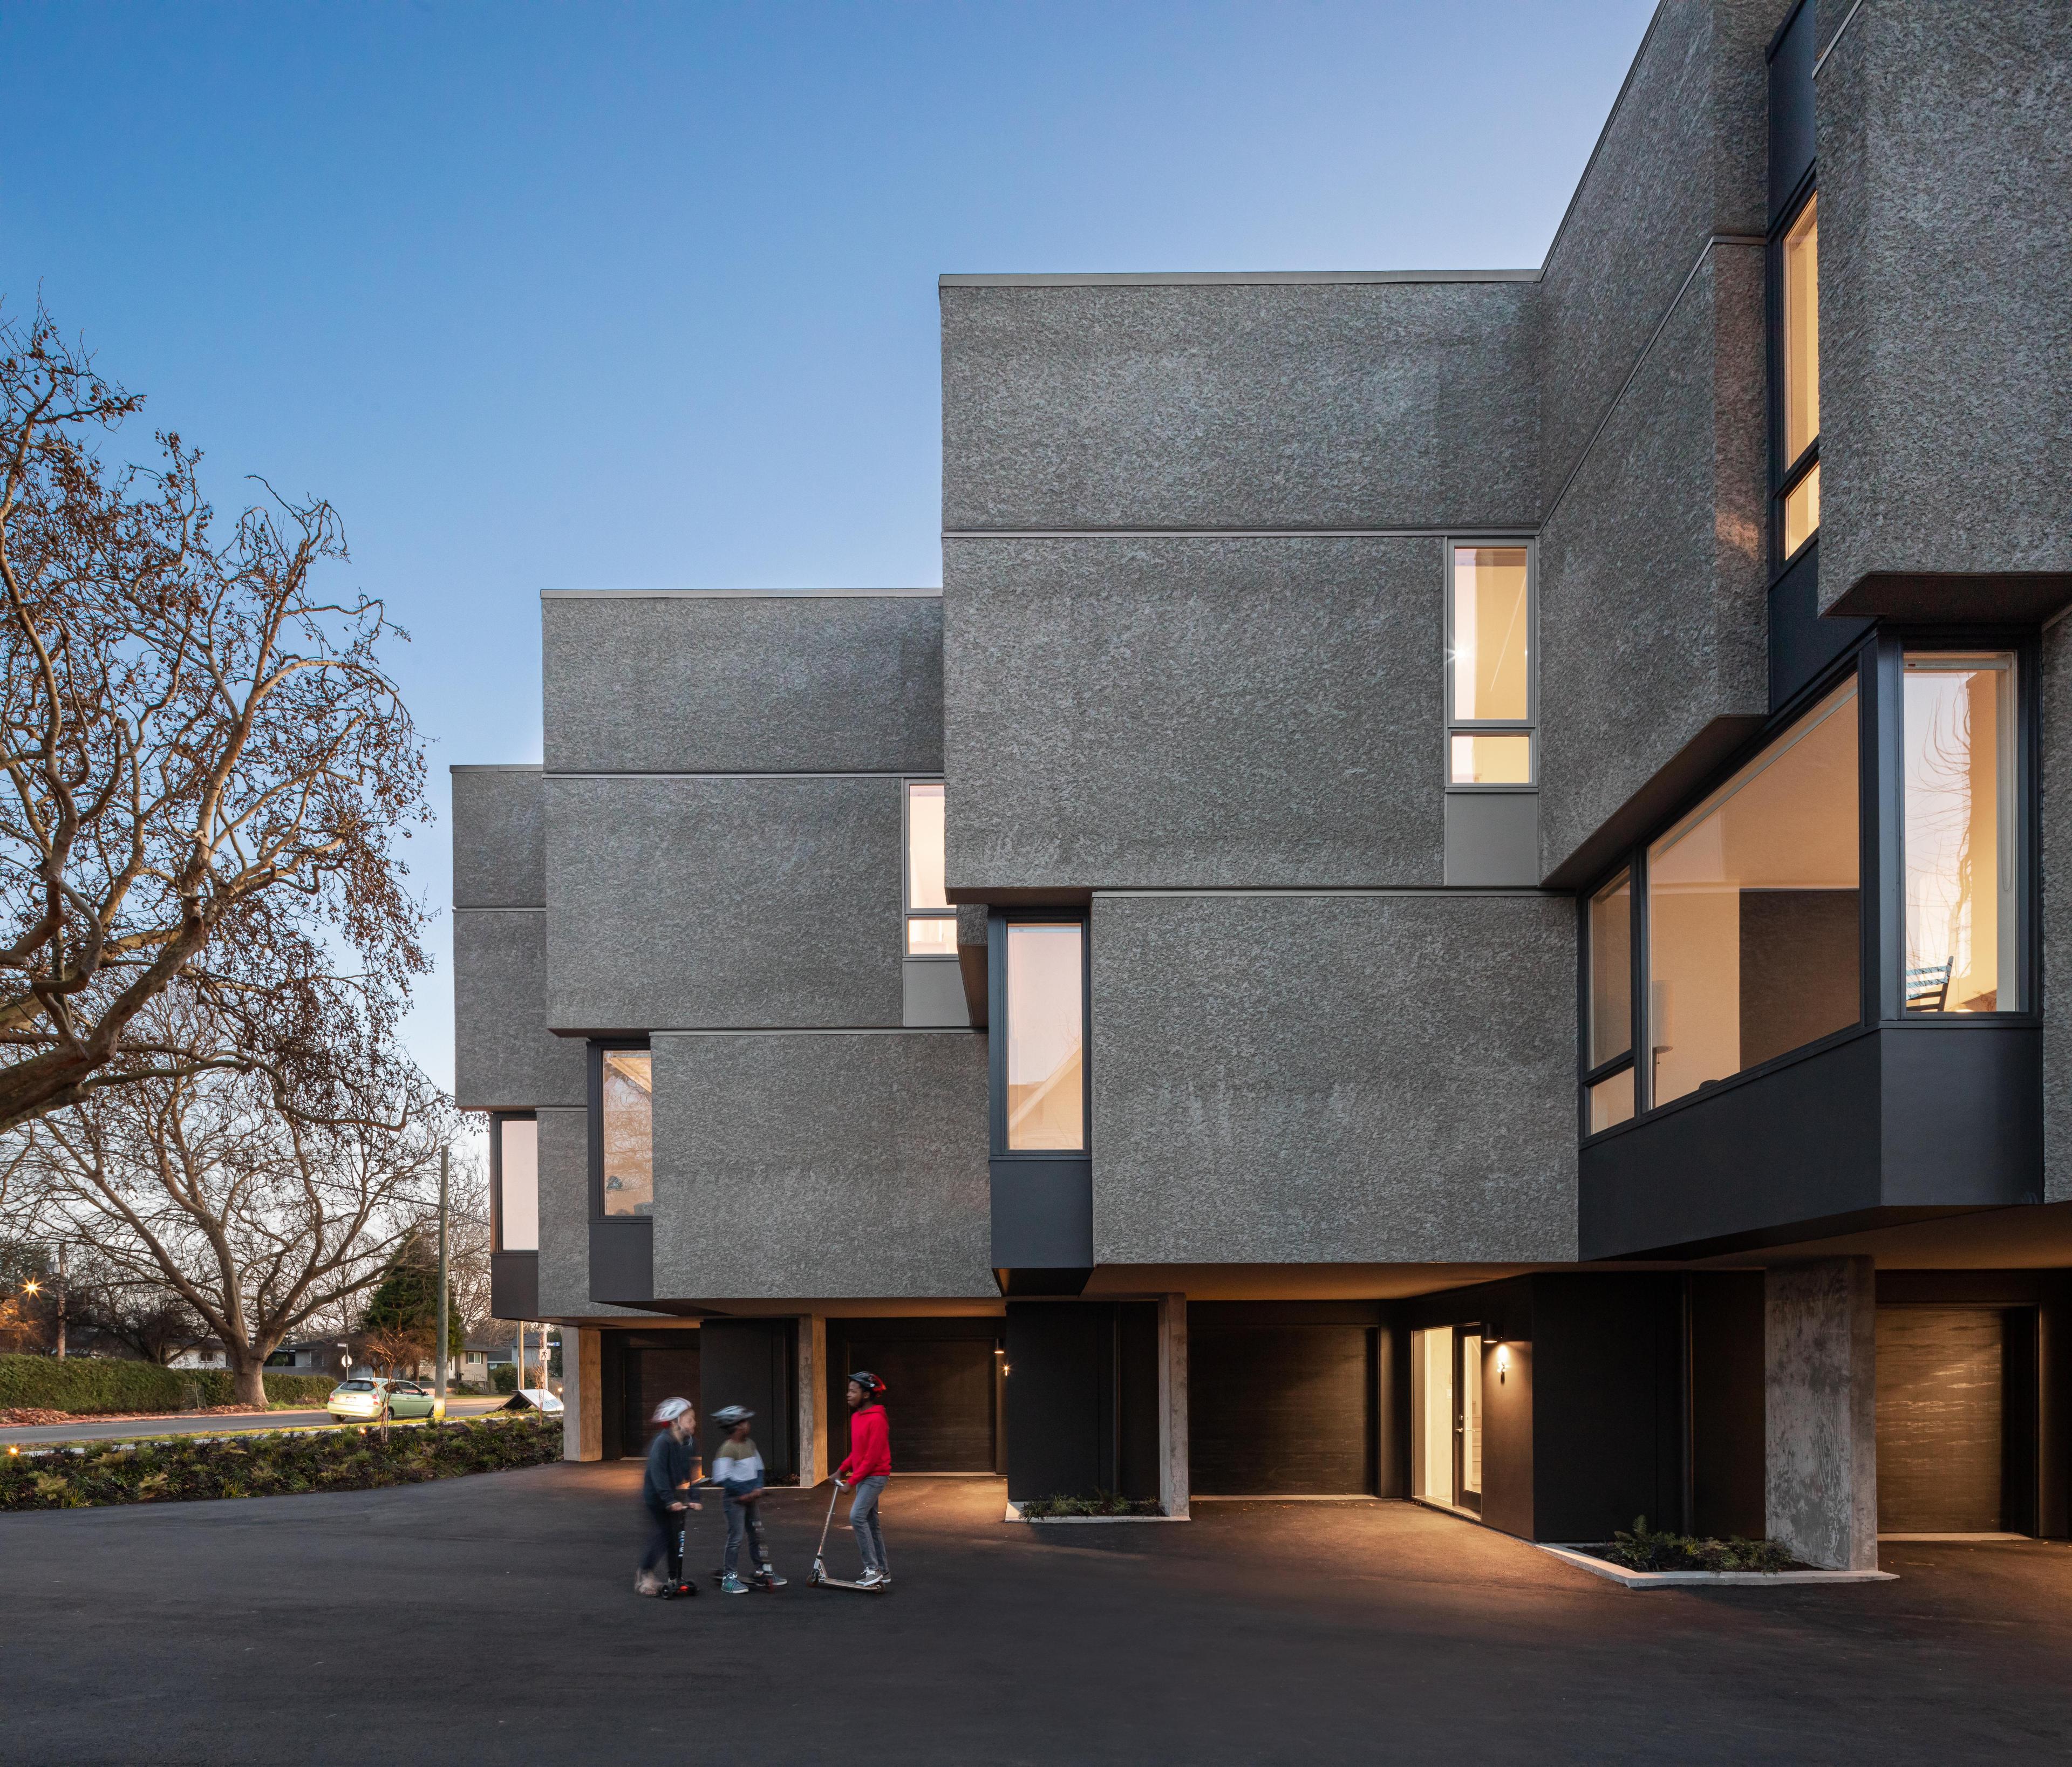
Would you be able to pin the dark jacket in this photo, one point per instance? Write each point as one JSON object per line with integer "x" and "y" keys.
{"x": 669, "y": 1464}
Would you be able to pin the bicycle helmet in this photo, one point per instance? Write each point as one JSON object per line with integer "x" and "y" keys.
{"x": 873, "y": 1386}
{"x": 671, "y": 1409}
{"x": 732, "y": 1416}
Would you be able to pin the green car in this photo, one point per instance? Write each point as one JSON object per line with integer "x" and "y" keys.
{"x": 369, "y": 1401}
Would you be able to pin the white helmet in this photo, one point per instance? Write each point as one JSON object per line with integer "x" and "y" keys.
{"x": 671, "y": 1409}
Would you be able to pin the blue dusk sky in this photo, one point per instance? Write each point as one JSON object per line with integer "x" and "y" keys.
{"x": 644, "y": 296}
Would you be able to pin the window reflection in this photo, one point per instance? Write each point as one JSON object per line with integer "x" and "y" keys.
{"x": 1045, "y": 1090}
{"x": 1611, "y": 971}
{"x": 629, "y": 1132}
{"x": 518, "y": 1185}
{"x": 1957, "y": 715}
{"x": 1753, "y": 946}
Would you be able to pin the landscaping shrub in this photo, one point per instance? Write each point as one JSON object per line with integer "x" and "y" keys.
{"x": 1040, "y": 1509}
{"x": 83, "y": 1386}
{"x": 1642, "y": 1550}
{"x": 504, "y": 1379}
{"x": 268, "y": 1465}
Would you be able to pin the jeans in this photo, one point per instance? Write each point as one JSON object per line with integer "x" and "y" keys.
{"x": 863, "y": 1518}
{"x": 665, "y": 1541}
{"x": 742, "y": 1519}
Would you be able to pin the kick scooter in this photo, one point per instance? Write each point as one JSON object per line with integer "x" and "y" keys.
{"x": 820, "y": 1572}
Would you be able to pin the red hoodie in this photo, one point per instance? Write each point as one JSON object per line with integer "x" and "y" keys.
{"x": 869, "y": 1445}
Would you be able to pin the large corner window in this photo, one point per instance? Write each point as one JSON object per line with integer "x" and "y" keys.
{"x": 625, "y": 1132}
{"x": 1957, "y": 720}
{"x": 1489, "y": 666}
{"x": 1799, "y": 368}
{"x": 1753, "y": 938}
{"x": 1045, "y": 1099}
{"x": 514, "y": 1147}
{"x": 932, "y": 922}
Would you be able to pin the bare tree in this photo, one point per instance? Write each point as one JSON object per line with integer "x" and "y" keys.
{"x": 258, "y": 1218}
{"x": 206, "y": 770}
{"x": 144, "y": 1316}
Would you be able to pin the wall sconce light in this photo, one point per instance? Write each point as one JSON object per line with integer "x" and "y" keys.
{"x": 1502, "y": 1363}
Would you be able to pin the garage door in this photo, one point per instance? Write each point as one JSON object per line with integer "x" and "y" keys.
{"x": 939, "y": 1396}
{"x": 651, "y": 1376}
{"x": 1941, "y": 1420}
{"x": 1281, "y": 1411}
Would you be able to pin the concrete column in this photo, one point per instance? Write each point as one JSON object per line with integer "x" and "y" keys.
{"x": 1173, "y": 1491}
{"x": 1820, "y": 1411}
{"x": 812, "y": 1399}
{"x": 582, "y": 1395}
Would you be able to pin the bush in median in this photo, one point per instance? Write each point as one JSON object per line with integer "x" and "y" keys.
{"x": 274, "y": 1465}
{"x": 83, "y": 1386}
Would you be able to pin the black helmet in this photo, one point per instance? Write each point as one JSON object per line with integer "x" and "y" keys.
{"x": 873, "y": 1386}
{"x": 732, "y": 1416}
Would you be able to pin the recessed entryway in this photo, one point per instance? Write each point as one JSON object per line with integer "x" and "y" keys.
{"x": 1956, "y": 1417}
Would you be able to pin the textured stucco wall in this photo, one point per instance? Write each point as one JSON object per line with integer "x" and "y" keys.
{"x": 1683, "y": 157}
{"x": 1944, "y": 138}
{"x": 2057, "y": 917}
{"x": 675, "y": 902}
{"x": 1293, "y": 1079}
{"x": 1820, "y": 1411}
{"x": 830, "y": 1166}
{"x": 499, "y": 854}
{"x": 1652, "y": 619}
{"x": 779, "y": 683}
{"x": 1373, "y": 405}
{"x": 505, "y": 1057}
{"x": 1193, "y": 711}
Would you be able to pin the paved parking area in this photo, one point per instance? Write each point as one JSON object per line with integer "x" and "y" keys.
{"x": 491, "y": 1618}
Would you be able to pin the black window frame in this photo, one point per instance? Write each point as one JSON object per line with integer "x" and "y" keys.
{"x": 908, "y": 912}
{"x": 1527, "y": 726}
{"x": 595, "y": 1055}
{"x": 497, "y": 1119}
{"x": 1000, "y": 919}
{"x": 1877, "y": 661}
{"x": 1785, "y": 476}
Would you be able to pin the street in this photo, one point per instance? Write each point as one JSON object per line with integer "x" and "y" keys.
{"x": 87, "y": 1429}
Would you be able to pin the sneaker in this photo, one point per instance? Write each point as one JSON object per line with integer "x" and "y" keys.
{"x": 731, "y": 1584}
{"x": 769, "y": 1579}
{"x": 647, "y": 1582}
{"x": 870, "y": 1580}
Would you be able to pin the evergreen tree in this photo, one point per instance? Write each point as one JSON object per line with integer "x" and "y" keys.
{"x": 401, "y": 1322}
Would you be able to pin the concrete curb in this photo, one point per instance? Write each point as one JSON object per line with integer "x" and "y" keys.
{"x": 1654, "y": 1579}
{"x": 1014, "y": 1514}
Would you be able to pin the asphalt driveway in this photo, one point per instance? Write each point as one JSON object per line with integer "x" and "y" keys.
{"x": 491, "y": 1618}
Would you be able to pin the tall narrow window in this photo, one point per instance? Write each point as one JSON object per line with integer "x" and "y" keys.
{"x": 1045, "y": 1032}
{"x": 1957, "y": 718}
{"x": 517, "y": 1184}
{"x": 1753, "y": 932}
{"x": 932, "y": 922}
{"x": 1611, "y": 1004}
{"x": 1489, "y": 672}
{"x": 1799, "y": 285}
{"x": 627, "y": 1132}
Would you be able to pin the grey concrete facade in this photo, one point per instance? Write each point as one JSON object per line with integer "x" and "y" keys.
{"x": 1315, "y": 1079}
{"x": 1820, "y": 1411}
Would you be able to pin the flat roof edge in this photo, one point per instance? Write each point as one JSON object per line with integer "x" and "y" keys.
{"x": 1227, "y": 278}
{"x": 722, "y": 594}
{"x": 496, "y": 766}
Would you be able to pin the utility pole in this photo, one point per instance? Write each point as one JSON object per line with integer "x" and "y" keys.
{"x": 62, "y": 1286}
{"x": 439, "y": 1367}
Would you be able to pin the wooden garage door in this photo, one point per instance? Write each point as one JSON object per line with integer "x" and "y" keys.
{"x": 939, "y": 1396}
{"x": 1282, "y": 1410}
{"x": 1941, "y": 1420}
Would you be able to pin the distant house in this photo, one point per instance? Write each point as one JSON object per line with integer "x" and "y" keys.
{"x": 208, "y": 1353}
{"x": 310, "y": 1356}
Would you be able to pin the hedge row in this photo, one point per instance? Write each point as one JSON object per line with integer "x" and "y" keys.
{"x": 268, "y": 1465}
{"x": 86, "y": 1385}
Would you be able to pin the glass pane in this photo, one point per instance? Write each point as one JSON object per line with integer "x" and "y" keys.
{"x": 629, "y": 1132}
{"x": 1611, "y": 1101}
{"x": 1491, "y": 760}
{"x": 518, "y": 1160}
{"x": 924, "y": 847}
{"x": 1492, "y": 625}
{"x": 1957, "y": 716}
{"x": 1752, "y": 917}
{"x": 1611, "y": 970}
{"x": 1045, "y": 1104}
{"x": 1471, "y": 1410}
{"x": 1801, "y": 335}
{"x": 1431, "y": 1413}
{"x": 932, "y": 937}
{"x": 1802, "y": 510}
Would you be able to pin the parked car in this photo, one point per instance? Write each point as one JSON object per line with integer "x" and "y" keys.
{"x": 371, "y": 1399}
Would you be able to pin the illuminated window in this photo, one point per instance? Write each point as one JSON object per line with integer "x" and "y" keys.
{"x": 931, "y": 924}
{"x": 1799, "y": 368}
{"x": 1489, "y": 667}
{"x": 517, "y": 1211}
{"x": 1753, "y": 946}
{"x": 1611, "y": 1101}
{"x": 1957, "y": 724}
{"x": 1611, "y": 970}
{"x": 1802, "y": 510}
{"x": 627, "y": 1131}
{"x": 1046, "y": 1034}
